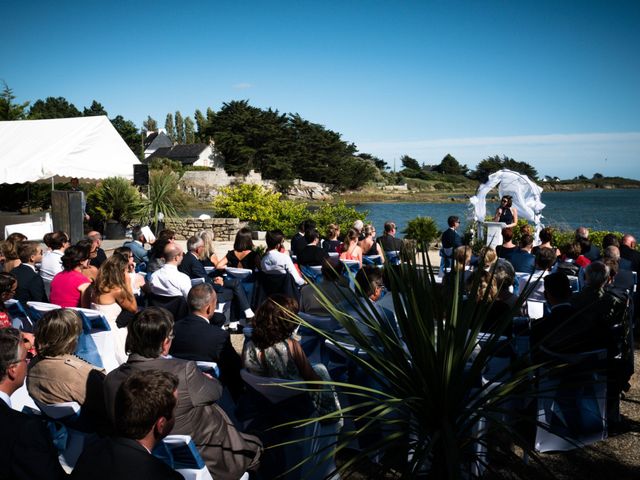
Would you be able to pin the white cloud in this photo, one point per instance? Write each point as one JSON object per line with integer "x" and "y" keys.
{"x": 242, "y": 86}
{"x": 564, "y": 155}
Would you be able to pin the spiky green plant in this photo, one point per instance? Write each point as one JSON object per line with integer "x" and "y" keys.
{"x": 426, "y": 399}
{"x": 163, "y": 196}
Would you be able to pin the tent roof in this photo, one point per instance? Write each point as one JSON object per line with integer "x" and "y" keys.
{"x": 83, "y": 147}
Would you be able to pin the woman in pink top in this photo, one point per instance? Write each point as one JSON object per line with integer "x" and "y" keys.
{"x": 350, "y": 248}
{"x": 68, "y": 285}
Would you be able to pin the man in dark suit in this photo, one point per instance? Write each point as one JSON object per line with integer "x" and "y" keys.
{"x": 298, "y": 241}
{"x": 226, "y": 289}
{"x": 30, "y": 284}
{"x": 145, "y": 407}
{"x": 226, "y": 452}
{"x": 199, "y": 336}
{"x": 388, "y": 240}
{"x": 451, "y": 240}
{"x": 312, "y": 254}
{"x": 26, "y": 449}
{"x": 522, "y": 259}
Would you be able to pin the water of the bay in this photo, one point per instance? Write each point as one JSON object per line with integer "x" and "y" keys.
{"x": 614, "y": 210}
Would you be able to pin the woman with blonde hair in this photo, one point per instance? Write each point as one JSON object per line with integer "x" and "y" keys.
{"x": 368, "y": 242}
{"x": 331, "y": 243}
{"x": 208, "y": 256}
{"x": 110, "y": 295}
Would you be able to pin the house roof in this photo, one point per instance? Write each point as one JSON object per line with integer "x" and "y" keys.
{"x": 183, "y": 153}
{"x": 157, "y": 140}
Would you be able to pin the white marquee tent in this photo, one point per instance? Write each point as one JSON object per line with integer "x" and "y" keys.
{"x": 84, "y": 147}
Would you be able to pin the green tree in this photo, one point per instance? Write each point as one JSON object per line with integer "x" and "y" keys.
{"x": 94, "y": 110}
{"x": 168, "y": 126}
{"x": 53, "y": 107}
{"x": 129, "y": 133}
{"x": 8, "y": 109}
{"x": 149, "y": 125}
{"x": 179, "y": 123}
{"x": 450, "y": 166}
{"x": 189, "y": 133}
{"x": 201, "y": 124}
{"x": 409, "y": 163}
{"x": 597, "y": 176}
{"x": 378, "y": 162}
{"x": 492, "y": 164}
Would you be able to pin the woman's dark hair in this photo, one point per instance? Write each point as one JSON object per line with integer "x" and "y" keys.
{"x": 6, "y": 282}
{"x": 87, "y": 245}
{"x": 74, "y": 256}
{"x": 148, "y": 330}
{"x": 274, "y": 238}
{"x": 243, "y": 240}
{"x": 509, "y": 200}
{"x": 351, "y": 235}
{"x": 55, "y": 240}
{"x": 271, "y": 323}
{"x": 123, "y": 252}
{"x": 57, "y": 332}
{"x": 571, "y": 250}
{"x": 166, "y": 234}
{"x": 10, "y": 245}
{"x": 157, "y": 249}
{"x": 332, "y": 231}
{"x": 546, "y": 235}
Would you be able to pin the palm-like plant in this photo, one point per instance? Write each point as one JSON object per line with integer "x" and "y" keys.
{"x": 114, "y": 199}
{"x": 163, "y": 197}
{"x": 425, "y": 402}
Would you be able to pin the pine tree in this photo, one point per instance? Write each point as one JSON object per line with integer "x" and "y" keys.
{"x": 201, "y": 123}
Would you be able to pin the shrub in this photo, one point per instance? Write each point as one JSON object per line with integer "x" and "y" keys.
{"x": 163, "y": 196}
{"x": 264, "y": 209}
{"x": 422, "y": 229}
{"x": 338, "y": 213}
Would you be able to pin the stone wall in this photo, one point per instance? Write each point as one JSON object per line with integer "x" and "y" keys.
{"x": 224, "y": 229}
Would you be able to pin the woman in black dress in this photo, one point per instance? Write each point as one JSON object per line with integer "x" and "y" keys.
{"x": 506, "y": 212}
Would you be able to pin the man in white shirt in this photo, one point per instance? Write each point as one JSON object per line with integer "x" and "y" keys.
{"x": 168, "y": 281}
{"x": 275, "y": 261}
{"x": 52, "y": 261}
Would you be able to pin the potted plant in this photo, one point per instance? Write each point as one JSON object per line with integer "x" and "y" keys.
{"x": 115, "y": 202}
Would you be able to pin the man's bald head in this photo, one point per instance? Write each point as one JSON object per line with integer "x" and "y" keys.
{"x": 629, "y": 240}
{"x": 172, "y": 253}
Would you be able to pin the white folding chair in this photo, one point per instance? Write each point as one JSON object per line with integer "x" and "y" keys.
{"x": 181, "y": 454}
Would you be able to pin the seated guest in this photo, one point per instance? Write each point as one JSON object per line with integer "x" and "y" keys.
{"x": 273, "y": 351}
{"x": 388, "y": 240}
{"x": 8, "y": 287}
{"x": 276, "y": 260}
{"x": 498, "y": 318}
{"x": 242, "y": 255}
{"x": 145, "y": 406}
{"x": 208, "y": 255}
{"x": 532, "y": 287}
{"x": 26, "y": 449}
{"x": 572, "y": 261}
{"x": 199, "y": 336}
{"x": 368, "y": 243}
{"x": 333, "y": 286}
{"x": 68, "y": 286}
{"x": 156, "y": 252}
{"x": 621, "y": 280}
{"x": 56, "y": 374}
{"x": 522, "y": 259}
{"x": 611, "y": 240}
{"x": 226, "y": 452}
{"x": 10, "y": 251}
{"x": 460, "y": 270}
{"x": 350, "y": 248}
{"x": 546, "y": 241}
{"x": 89, "y": 270}
{"x": 136, "y": 244}
{"x": 169, "y": 281}
{"x": 30, "y": 284}
{"x": 591, "y": 252}
{"x": 136, "y": 280}
{"x": 487, "y": 256}
{"x": 358, "y": 225}
{"x": 100, "y": 256}
{"x": 508, "y": 247}
{"x": 505, "y": 277}
{"x": 298, "y": 242}
{"x": 331, "y": 243}
{"x": 312, "y": 254}
{"x": 628, "y": 252}
{"x": 226, "y": 288}
{"x": 52, "y": 260}
{"x": 110, "y": 295}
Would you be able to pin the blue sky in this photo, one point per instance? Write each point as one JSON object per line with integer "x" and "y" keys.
{"x": 552, "y": 83}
